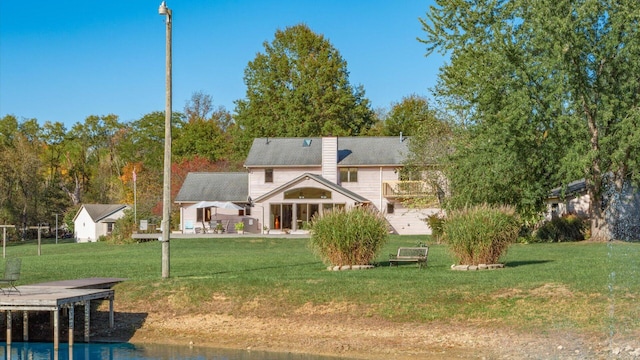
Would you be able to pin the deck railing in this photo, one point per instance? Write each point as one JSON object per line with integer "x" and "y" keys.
{"x": 406, "y": 189}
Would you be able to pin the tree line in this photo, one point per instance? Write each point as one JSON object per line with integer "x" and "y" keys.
{"x": 534, "y": 95}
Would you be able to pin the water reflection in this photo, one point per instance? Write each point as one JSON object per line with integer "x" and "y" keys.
{"x": 126, "y": 351}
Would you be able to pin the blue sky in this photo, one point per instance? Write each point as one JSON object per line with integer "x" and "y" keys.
{"x": 69, "y": 59}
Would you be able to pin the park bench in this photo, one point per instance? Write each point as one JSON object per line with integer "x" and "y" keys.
{"x": 410, "y": 254}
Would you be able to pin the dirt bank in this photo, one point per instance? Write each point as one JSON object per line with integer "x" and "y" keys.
{"x": 321, "y": 332}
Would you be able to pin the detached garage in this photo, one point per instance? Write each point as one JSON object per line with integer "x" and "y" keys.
{"x": 95, "y": 220}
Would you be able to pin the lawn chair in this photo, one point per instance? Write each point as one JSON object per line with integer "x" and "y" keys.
{"x": 11, "y": 275}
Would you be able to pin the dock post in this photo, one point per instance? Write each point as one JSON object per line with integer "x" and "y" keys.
{"x": 9, "y": 321}
{"x": 56, "y": 329}
{"x": 71, "y": 323}
{"x": 87, "y": 319}
{"x": 111, "y": 322}
{"x": 25, "y": 326}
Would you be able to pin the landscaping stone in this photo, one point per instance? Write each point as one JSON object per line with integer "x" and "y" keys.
{"x": 349, "y": 267}
{"x": 476, "y": 267}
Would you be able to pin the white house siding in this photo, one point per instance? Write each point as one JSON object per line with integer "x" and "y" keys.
{"x": 281, "y": 176}
{"x": 262, "y": 211}
{"x": 407, "y": 221}
{"x": 88, "y": 229}
{"x": 404, "y": 221}
{"x": 578, "y": 205}
{"x": 190, "y": 223}
{"x": 369, "y": 184}
{"x": 84, "y": 227}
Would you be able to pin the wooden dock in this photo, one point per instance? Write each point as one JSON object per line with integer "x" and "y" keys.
{"x": 54, "y": 297}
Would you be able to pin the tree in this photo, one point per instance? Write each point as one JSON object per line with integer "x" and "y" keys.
{"x": 552, "y": 93}
{"x": 198, "y": 107}
{"x": 92, "y": 161}
{"x": 406, "y": 115}
{"x": 300, "y": 86}
{"x": 429, "y": 147}
{"x": 21, "y": 180}
{"x": 144, "y": 141}
{"x": 203, "y": 133}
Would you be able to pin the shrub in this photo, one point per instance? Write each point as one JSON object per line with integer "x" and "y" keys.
{"x": 349, "y": 237}
{"x": 122, "y": 229}
{"x": 480, "y": 234}
{"x": 562, "y": 229}
{"x": 435, "y": 222}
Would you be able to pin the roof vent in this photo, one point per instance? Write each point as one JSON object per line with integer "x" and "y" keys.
{"x": 306, "y": 142}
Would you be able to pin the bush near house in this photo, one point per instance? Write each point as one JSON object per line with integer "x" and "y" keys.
{"x": 569, "y": 227}
{"x": 349, "y": 237}
{"x": 435, "y": 222}
{"x": 480, "y": 234}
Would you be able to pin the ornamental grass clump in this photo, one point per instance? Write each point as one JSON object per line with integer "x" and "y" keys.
{"x": 480, "y": 234}
{"x": 349, "y": 237}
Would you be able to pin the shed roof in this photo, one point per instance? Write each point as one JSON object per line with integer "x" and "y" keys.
{"x": 100, "y": 212}
{"x": 214, "y": 186}
{"x": 352, "y": 151}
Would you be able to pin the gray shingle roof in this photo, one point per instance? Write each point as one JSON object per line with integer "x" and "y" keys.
{"x": 99, "y": 212}
{"x": 573, "y": 188}
{"x": 214, "y": 186}
{"x": 352, "y": 151}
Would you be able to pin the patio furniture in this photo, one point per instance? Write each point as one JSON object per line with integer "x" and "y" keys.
{"x": 11, "y": 275}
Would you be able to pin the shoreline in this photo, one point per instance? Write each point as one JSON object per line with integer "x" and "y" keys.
{"x": 368, "y": 338}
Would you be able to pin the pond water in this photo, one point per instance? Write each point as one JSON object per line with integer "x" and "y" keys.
{"x": 126, "y": 351}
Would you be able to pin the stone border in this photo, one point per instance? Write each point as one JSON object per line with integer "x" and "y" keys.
{"x": 349, "y": 267}
{"x": 477, "y": 267}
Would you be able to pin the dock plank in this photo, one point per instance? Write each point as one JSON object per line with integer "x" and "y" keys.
{"x": 85, "y": 283}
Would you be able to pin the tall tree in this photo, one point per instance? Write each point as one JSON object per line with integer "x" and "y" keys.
{"x": 429, "y": 148}
{"x": 198, "y": 107}
{"x": 407, "y": 115}
{"x": 21, "y": 193}
{"x": 552, "y": 91}
{"x": 203, "y": 134}
{"x": 142, "y": 148}
{"x": 300, "y": 86}
{"x": 92, "y": 161}
{"x": 201, "y": 138}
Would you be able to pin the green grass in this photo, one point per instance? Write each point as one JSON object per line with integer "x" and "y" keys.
{"x": 581, "y": 286}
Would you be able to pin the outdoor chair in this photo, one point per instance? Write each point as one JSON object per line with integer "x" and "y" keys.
{"x": 11, "y": 275}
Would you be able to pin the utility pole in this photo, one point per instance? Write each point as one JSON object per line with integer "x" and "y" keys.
{"x": 166, "y": 187}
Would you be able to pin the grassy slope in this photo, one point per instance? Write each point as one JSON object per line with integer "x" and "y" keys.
{"x": 581, "y": 286}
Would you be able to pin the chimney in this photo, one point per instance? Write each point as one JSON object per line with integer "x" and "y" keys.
{"x": 330, "y": 159}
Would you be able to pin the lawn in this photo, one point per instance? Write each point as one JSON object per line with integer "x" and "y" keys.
{"x": 585, "y": 286}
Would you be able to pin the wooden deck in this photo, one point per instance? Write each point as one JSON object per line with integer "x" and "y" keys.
{"x": 55, "y": 296}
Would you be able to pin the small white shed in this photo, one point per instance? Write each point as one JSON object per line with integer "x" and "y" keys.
{"x": 95, "y": 220}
